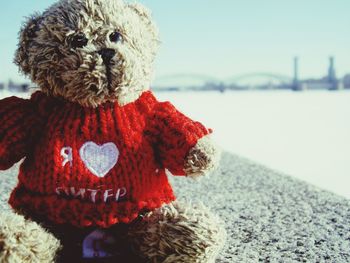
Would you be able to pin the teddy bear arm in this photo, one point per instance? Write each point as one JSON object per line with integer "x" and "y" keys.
{"x": 177, "y": 135}
{"x": 18, "y": 126}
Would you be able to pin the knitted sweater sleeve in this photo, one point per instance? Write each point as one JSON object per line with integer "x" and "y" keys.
{"x": 176, "y": 135}
{"x": 19, "y": 125}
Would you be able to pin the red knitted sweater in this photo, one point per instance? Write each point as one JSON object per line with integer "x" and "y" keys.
{"x": 93, "y": 167}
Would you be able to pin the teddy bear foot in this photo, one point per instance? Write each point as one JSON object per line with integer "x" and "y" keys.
{"x": 178, "y": 233}
{"x": 22, "y": 240}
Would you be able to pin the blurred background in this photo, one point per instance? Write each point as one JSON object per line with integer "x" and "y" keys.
{"x": 272, "y": 78}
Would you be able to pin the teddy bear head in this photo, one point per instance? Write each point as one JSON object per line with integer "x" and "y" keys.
{"x": 90, "y": 51}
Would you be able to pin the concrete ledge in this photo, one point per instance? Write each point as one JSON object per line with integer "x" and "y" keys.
{"x": 269, "y": 217}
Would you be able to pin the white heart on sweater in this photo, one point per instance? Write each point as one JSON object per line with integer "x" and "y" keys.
{"x": 99, "y": 159}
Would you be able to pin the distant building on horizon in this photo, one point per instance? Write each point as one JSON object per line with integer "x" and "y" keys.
{"x": 296, "y": 85}
{"x": 346, "y": 81}
{"x": 329, "y": 82}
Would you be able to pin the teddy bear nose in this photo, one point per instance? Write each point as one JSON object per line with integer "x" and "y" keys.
{"x": 107, "y": 54}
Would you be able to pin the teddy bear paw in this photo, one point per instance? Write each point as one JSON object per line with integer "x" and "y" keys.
{"x": 203, "y": 158}
{"x": 24, "y": 241}
{"x": 178, "y": 233}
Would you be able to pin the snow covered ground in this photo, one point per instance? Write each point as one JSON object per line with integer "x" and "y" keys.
{"x": 304, "y": 134}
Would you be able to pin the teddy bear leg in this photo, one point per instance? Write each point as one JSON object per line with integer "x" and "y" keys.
{"x": 23, "y": 240}
{"x": 178, "y": 232}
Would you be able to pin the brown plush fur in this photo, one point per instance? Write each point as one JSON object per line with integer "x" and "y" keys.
{"x": 48, "y": 54}
{"x": 25, "y": 241}
{"x": 178, "y": 233}
{"x": 79, "y": 75}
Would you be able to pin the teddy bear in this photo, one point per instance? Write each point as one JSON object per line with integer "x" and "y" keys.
{"x": 98, "y": 147}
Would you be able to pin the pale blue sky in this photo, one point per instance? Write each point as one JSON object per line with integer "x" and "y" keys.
{"x": 225, "y": 38}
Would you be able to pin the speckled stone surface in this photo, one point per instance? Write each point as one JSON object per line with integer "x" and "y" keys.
{"x": 269, "y": 217}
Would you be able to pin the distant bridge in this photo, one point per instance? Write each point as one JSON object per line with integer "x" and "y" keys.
{"x": 186, "y": 80}
{"x": 278, "y": 77}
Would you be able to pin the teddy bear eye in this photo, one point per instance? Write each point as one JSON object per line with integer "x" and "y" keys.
{"x": 79, "y": 41}
{"x": 115, "y": 37}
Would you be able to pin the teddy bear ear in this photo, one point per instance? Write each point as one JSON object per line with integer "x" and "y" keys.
{"x": 146, "y": 15}
{"x": 141, "y": 10}
{"x": 27, "y": 34}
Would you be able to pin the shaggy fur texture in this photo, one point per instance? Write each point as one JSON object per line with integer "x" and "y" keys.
{"x": 48, "y": 52}
{"x": 203, "y": 158}
{"x": 178, "y": 233}
{"x": 92, "y": 52}
{"x": 25, "y": 241}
